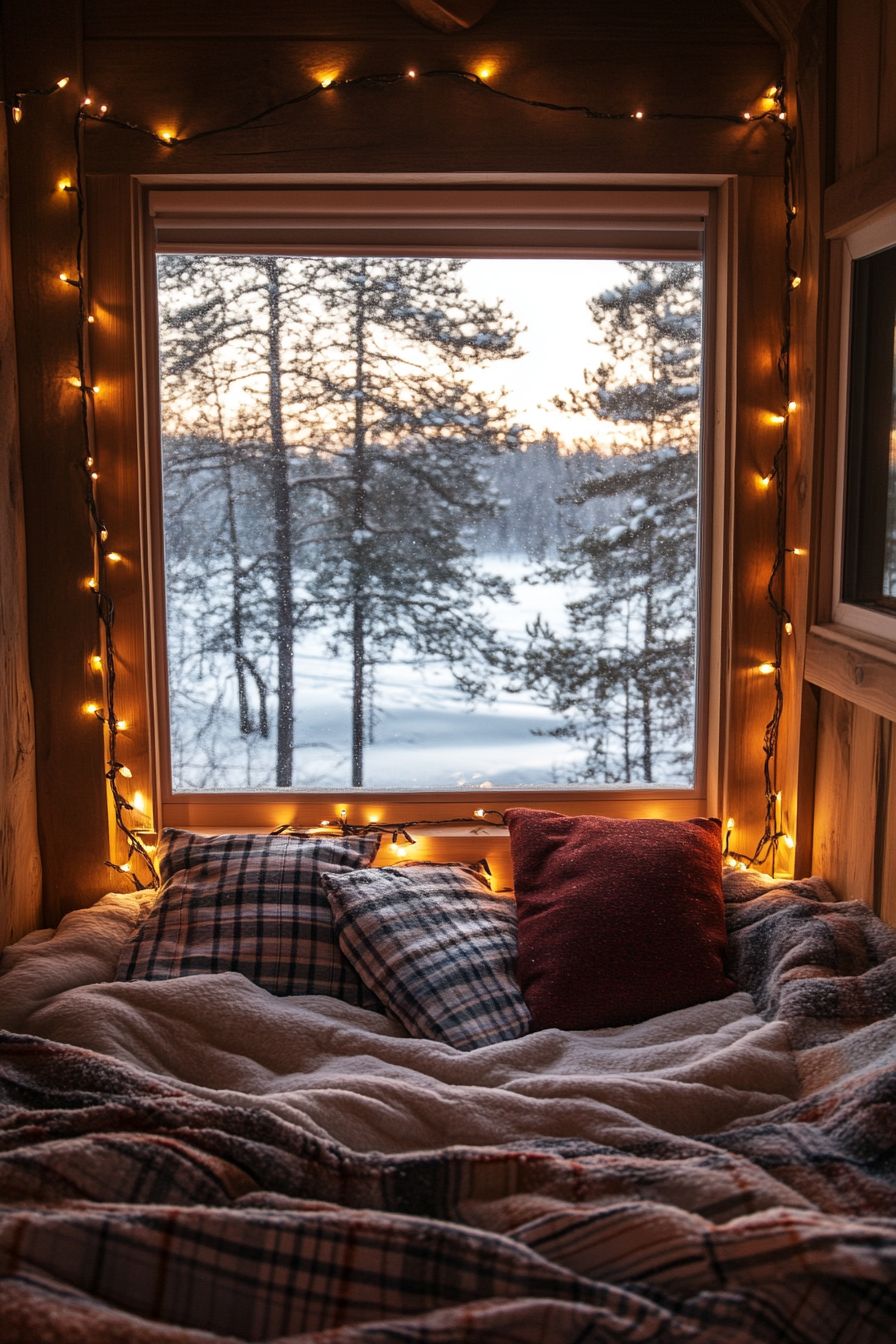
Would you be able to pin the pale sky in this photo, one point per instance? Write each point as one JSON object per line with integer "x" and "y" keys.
{"x": 549, "y": 296}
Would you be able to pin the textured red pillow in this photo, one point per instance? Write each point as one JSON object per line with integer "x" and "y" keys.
{"x": 618, "y": 920}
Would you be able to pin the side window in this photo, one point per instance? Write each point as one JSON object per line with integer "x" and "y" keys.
{"x": 869, "y": 553}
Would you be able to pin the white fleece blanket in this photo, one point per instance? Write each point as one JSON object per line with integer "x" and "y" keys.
{"x": 358, "y": 1078}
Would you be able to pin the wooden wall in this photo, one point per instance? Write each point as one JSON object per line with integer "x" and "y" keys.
{"x": 187, "y": 67}
{"x": 20, "y": 873}
{"x": 855, "y": 781}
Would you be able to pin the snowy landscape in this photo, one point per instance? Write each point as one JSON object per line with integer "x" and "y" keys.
{"x": 402, "y": 555}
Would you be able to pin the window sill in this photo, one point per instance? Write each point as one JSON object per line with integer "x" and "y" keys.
{"x": 859, "y": 668}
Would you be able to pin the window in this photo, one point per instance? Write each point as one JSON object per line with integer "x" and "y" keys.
{"x": 430, "y": 486}
{"x": 869, "y": 568}
{"x": 866, "y": 564}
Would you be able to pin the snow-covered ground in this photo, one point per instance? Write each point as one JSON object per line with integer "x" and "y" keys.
{"x": 426, "y": 734}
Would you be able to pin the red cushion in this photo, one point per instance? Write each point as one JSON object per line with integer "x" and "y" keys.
{"x": 618, "y": 920}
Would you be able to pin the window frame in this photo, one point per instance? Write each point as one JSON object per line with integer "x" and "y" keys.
{"x": 252, "y": 811}
{"x": 861, "y": 242}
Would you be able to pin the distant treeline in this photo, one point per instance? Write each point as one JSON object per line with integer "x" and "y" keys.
{"x": 538, "y": 489}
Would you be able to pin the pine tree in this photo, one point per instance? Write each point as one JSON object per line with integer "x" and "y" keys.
{"x": 372, "y": 446}
{"x": 227, "y": 323}
{"x": 408, "y": 441}
{"x": 623, "y": 678}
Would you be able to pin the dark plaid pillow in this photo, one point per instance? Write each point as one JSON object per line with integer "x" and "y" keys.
{"x": 253, "y": 904}
{"x": 438, "y": 949}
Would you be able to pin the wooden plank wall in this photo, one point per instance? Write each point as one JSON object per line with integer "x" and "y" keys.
{"x": 187, "y": 67}
{"x": 20, "y": 873}
{"x": 855, "y": 792}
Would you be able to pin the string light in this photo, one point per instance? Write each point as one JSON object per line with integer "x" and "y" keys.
{"x": 788, "y": 628}
{"x": 766, "y": 669}
{"x": 105, "y": 607}
{"x": 113, "y": 556}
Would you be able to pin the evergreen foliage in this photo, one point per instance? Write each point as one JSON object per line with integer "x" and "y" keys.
{"x": 623, "y": 678}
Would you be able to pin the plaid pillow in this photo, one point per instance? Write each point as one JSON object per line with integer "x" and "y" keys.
{"x": 253, "y": 904}
{"x": 438, "y": 949}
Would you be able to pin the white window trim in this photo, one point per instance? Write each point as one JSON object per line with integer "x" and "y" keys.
{"x": 258, "y": 810}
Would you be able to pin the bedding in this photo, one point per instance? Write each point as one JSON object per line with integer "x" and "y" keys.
{"x": 436, "y": 947}
{"x": 253, "y": 904}
{"x": 196, "y": 1159}
{"x": 619, "y": 920}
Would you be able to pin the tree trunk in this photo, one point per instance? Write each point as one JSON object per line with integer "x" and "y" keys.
{"x": 236, "y": 605}
{"x": 646, "y": 721}
{"x": 359, "y": 519}
{"x": 280, "y": 499}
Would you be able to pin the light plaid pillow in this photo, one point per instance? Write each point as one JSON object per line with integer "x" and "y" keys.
{"x": 438, "y": 949}
{"x": 253, "y": 904}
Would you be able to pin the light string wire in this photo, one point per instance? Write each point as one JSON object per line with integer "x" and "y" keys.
{"x": 768, "y": 844}
{"x": 105, "y": 607}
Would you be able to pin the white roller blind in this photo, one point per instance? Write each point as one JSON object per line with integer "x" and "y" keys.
{"x": 439, "y": 221}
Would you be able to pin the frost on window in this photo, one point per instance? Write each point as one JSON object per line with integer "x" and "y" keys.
{"x": 430, "y": 524}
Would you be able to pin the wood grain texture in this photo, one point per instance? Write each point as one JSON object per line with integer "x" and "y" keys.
{"x": 854, "y": 200}
{"x": 42, "y": 43}
{"x": 724, "y": 22}
{"x": 855, "y": 667}
{"x": 110, "y": 296}
{"x": 759, "y": 328}
{"x": 854, "y": 806}
{"x": 780, "y": 18}
{"x": 858, "y": 82}
{"x": 438, "y": 124}
{"x": 847, "y": 764}
{"x": 886, "y": 114}
{"x": 20, "y": 872}
{"x": 807, "y": 72}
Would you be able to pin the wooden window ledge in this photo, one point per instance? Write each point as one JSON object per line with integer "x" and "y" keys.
{"x": 855, "y": 666}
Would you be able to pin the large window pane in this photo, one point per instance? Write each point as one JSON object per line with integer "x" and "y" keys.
{"x": 430, "y": 524}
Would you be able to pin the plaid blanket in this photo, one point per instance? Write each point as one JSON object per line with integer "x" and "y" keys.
{"x": 134, "y": 1211}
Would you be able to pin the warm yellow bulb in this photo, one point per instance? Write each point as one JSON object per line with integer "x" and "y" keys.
{"x": 788, "y": 628}
{"x": 113, "y": 556}
{"x": 782, "y": 116}
{"x": 104, "y": 107}
{"x": 795, "y": 282}
{"x": 91, "y": 709}
{"x": 91, "y": 583}
{"x": 64, "y": 184}
{"x": 791, "y": 406}
{"x": 484, "y": 72}
{"x": 91, "y": 319}
{"x": 730, "y": 826}
{"x": 325, "y": 83}
{"x": 125, "y": 867}
{"x": 789, "y": 842}
{"x": 121, "y": 724}
{"x": 16, "y": 114}
{"x": 96, "y": 662}
{"x": 324, "y": 822}
{"x": 772, "y": 92}
{"x": 797, "y": 550}
{"x": 765, "y": 481}
{"x": 61, "y": 83}
{"x": 412, "y": 74}
{"x": 748, "y": 116}
{"x": 95, "y": 390}
{"x": 63, "y": 276}
{"x": 167, "y": 136}
{"x": 125, "y": 772}
{"x": 730, "y": 863}
{"x": 400, "y": 850}
{"x": 639, "y": 116}
{"x": 139, "y": 802}
{"x": 766, "y": 668}
{"x": 742, "y": 867}
{"x": 87, "y": 102}
{"x": 777, "y": 419}
{"x": 373, "y": 819}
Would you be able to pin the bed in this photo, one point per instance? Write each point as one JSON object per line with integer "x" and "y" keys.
{"x": 197, "y": 1159}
